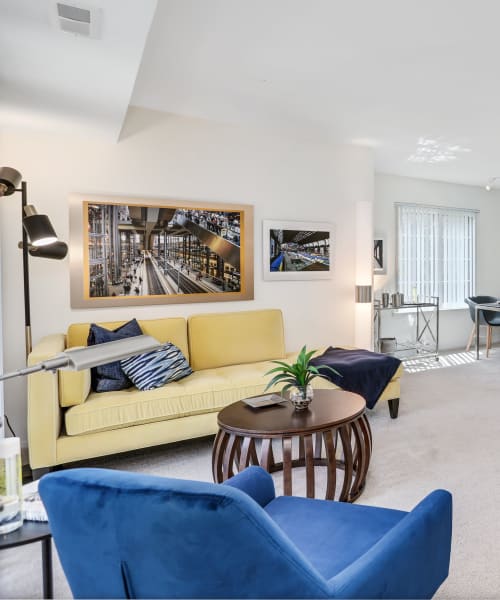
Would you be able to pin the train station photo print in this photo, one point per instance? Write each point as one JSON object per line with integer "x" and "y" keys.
{"x": 130, "y": 251}
{"x": 297, "y": 250}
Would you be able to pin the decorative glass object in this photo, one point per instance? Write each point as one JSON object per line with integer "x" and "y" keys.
{"x": 11, "y": 499}
{"x": 301, "y": 397}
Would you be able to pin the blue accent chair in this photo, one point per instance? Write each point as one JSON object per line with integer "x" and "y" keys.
{"x": 128, "y": 535}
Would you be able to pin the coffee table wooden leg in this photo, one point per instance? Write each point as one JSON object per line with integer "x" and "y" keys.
{"x": 309, "y": 457}
{"x": 345, "y": 438}
{"x": 244, "y": 454}
{"x": 287, "y": 466}
{"x": 367, "y": 442}
{"x": 365, "y": 424}
{"x": 359, "y": 459}
{"x": 48, "y": 584}
{"x": 266, "y": 454}
{"x": 301, "y": 448}
{"x": 228, "y": 458}
{"x": 331, "y": 465}
{"x": 218, "y": 455}
{"x": 318, "y": 445}
{"x": 253, "y": 453}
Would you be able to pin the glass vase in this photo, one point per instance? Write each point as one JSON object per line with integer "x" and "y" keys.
{"x": 301, "y": 397}
{"x": 11, "y": 510}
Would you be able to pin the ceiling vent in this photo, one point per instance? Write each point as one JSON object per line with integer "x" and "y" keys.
{"x": 78, "y": 19}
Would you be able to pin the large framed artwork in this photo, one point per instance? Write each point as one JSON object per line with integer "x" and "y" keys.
{"x": 297, "y": 250}
{"x": 131, "y": 251}
{"x": 379, "y": 258}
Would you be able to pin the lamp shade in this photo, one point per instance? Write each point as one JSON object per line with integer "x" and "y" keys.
{"x": 10, "y": 180}
{"x": 57, "y": 250}
{"x": 363, "y": 293}
{"x": 38, "y": 227}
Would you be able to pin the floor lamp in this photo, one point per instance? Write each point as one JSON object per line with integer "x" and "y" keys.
{"x": 39, "y": 237}
{"x": 74, "y": 359}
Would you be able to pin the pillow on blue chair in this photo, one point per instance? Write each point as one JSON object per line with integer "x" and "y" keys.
{"x": 110, "y": 377}
{"x": 154, "y": 369}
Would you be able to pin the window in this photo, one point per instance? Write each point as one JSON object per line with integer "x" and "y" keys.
{"x": 436, "y": 253}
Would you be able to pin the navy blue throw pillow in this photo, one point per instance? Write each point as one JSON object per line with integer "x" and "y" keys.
{"x": 110, "y": 377}
{"x": 154, "y": 369}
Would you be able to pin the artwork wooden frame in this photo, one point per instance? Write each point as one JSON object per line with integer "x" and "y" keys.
{"x": 379, "y": 256}
{"x": 130, "y": 251}
{"x": 297, "y": 250}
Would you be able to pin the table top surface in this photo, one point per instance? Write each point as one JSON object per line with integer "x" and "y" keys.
{"x": 31, "y": 531}
{"x": 329, "y": 408}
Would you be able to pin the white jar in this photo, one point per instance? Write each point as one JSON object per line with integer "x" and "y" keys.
{"x": 11, "y": 489}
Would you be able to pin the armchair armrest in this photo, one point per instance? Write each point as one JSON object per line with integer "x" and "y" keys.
{"x": 410, "y": 561}
{"x": 256, "y": 483}
{"x": 44, "y": 411}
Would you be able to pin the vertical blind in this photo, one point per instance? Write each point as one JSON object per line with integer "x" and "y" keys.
{"x": 436, "y": 253}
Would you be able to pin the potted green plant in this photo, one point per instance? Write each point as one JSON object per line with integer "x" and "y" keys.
{"x": 298, "y": 377}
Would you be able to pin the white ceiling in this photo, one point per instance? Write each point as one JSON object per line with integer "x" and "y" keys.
{"x": 412, "y": 78}
{"x": 53, "y": 79}
{"x": 386, "y": 73}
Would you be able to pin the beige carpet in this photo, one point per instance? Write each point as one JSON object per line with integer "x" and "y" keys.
{"x": 447, "y": 436}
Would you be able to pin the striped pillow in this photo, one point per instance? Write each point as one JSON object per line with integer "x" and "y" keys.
{"x": 154, "y": 369}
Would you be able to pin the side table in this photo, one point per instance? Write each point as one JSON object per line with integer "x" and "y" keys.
{"x": 333, "y": 433}
{"x": 34, "y": 531}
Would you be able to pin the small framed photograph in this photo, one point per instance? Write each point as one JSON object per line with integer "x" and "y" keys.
{"x": 379, "y": 256}
{"x": 297, "y": 250}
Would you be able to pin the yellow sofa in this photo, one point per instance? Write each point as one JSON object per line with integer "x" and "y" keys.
{"x": 228, "y": 352}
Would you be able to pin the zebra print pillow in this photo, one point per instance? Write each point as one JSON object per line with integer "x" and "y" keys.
{"x": 154, "y": 369}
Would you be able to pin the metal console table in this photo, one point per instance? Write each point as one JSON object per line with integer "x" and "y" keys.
{"x": 426, "y": 324}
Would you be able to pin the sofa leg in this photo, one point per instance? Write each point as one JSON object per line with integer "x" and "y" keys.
{"x": 394, "y": 408}
{"x": 38, "y": 473}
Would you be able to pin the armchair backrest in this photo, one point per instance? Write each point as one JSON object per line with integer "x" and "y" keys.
{"x": 130, "y": 535}
{"x": 471, "y": 302}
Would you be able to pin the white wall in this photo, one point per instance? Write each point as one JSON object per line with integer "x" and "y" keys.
{"x": 455, "y": 325}
{"x": 167, "y": 156}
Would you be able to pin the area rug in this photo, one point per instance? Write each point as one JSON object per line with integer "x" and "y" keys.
{"x": 447, "y": 436}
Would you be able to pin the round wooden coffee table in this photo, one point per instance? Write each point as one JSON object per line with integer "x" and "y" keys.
{"x": 333, "y": 433}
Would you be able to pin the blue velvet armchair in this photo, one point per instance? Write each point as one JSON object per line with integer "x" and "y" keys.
{"x": 127, "y": 535}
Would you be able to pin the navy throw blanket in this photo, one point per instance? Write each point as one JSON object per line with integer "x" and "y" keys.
{"x": 363, "y": 372}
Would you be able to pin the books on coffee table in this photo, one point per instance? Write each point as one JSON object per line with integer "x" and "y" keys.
{"x": 265, "y": 400}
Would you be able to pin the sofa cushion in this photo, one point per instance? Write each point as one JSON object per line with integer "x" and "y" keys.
{"x": 173, "y": 329}
{"x": 204, "y": 391}
{"x": 110, "y": 377}
{"x": 219, "y": 340}
{"x": 154, "y": 369}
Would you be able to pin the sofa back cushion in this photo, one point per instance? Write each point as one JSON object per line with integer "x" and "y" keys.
{"x": 219, "y": 340}
{"x": 164, "y": 330}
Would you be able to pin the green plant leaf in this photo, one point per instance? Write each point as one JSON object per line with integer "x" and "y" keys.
{"x": 300, "y": 373}
{"x": 277, "y": 370}
{"x": 329, "y": 369}
{"x": 278, "y": 379}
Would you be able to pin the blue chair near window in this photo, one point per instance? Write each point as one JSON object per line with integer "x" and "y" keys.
{"x": 488, "y": 318}
{"x": 128, "y": 535}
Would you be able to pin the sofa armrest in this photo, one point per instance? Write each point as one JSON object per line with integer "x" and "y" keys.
{"x": 410, "y": 561}
{"x": 44, "y": 411}
{"x": 256, "y": 483}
